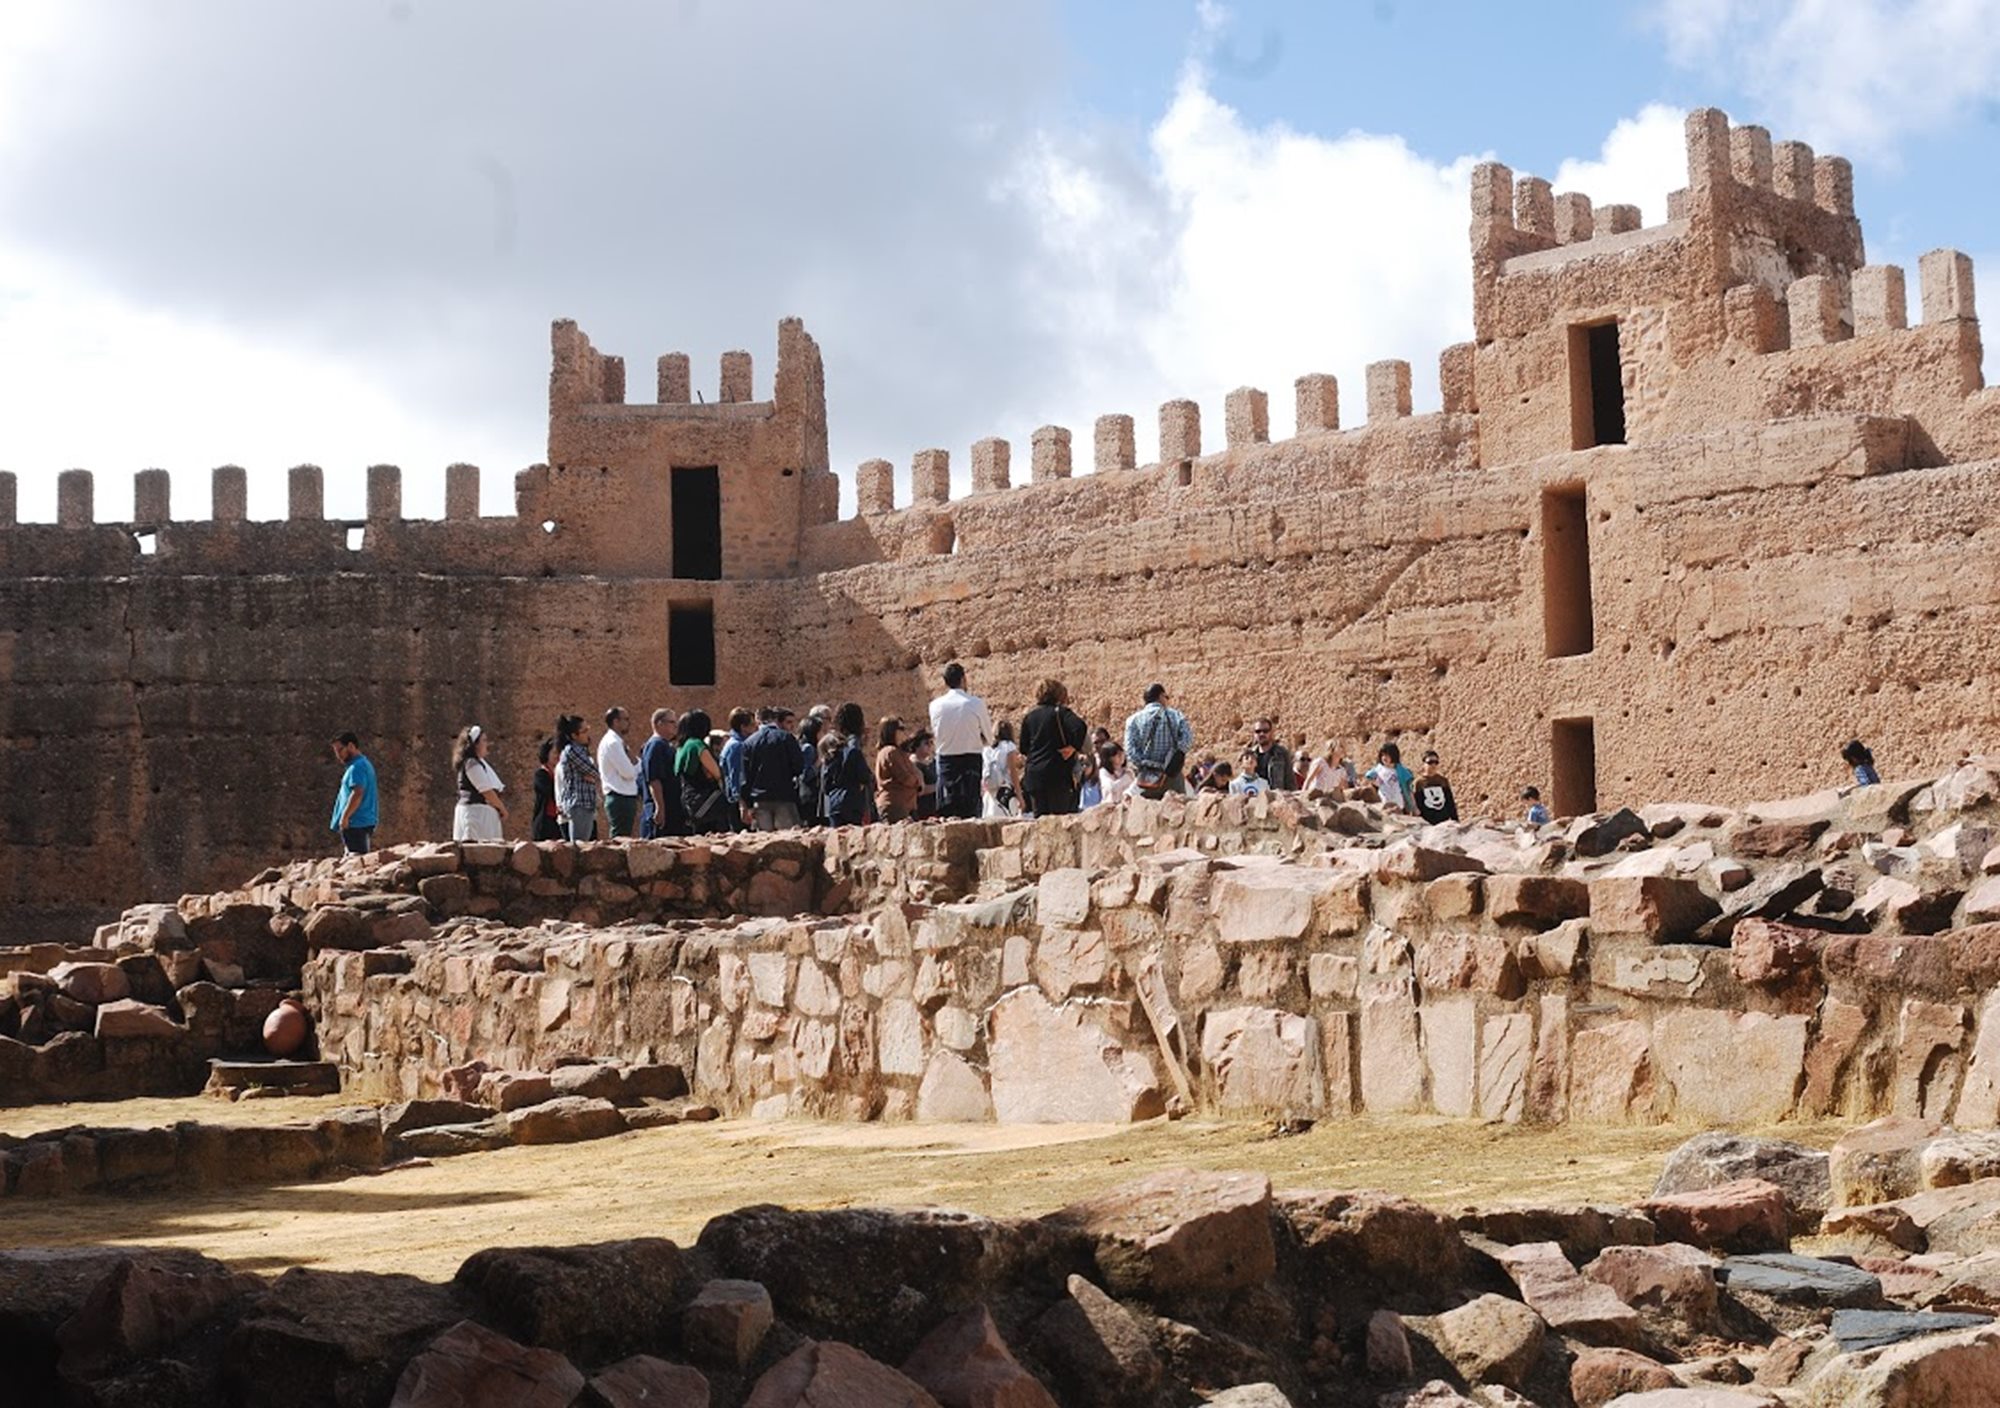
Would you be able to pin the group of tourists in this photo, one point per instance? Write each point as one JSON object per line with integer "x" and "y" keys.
{"x": 771, "y": 770}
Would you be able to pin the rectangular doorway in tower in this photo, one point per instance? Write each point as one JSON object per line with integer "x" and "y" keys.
{"x": 1573, "y": 755}
{"x": 697, "y": 511}
{"x": 691, "y": 643}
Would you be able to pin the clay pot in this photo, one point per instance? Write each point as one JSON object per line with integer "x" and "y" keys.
{"x": 286, "y": 1028}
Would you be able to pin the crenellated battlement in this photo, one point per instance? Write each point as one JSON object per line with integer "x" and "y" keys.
{"x": 463, "y": 541}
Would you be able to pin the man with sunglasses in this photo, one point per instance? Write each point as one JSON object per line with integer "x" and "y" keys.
{"x": 1274, "y": 759}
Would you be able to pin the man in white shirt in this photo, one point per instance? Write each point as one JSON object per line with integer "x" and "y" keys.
{"x": 619, "y": 767}
{"x": 963, "y": 728}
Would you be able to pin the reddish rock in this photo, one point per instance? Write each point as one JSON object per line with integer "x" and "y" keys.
{"x": 828, "y": 1374}
{"x": 469, "y": 1366}
{"x": 964, "y": 1363}
{"x": 1100, "y": 1353}
{"x": 140, "y": 1310}
{"x": 1765, "y": 953}
{"x": 594, "y": 1302}
{"x": 1674, "y": 1280}
{"x": 1748, "y": 1215}
{"x": 645, "y": 1382}
{"x": 1539, "y": 900}
{"x": 1180, "y": 1231}
{"x": 1386, "y": 1244}
{"x": 1491, "y": 1340}
{"x": 91, "y": 983}
{"x": 1387, "y": 1348}
{"x": 130, "y": 1018}
{"x": 726, "y": 1322}
{"x": 1599, "y": 1375}
{"x": 1879, "y": 1162}
{"x": 1581, "y": 1309}
{"x": 1658, "y": 908}
{"x": 565, "y": 1120}
{"x": 1767, "y": 840}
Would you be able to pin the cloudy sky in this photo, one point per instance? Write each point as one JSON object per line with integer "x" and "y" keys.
{"x": 335, "y": 231}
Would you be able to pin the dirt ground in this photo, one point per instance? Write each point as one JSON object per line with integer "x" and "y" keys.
{"x": 426, "y": 1219}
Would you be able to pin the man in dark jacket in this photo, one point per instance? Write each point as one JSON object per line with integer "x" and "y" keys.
{"x": 1274, "y": 759}
{"x": 771, "y": 766}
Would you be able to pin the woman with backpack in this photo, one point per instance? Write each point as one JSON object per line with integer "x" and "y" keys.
{"x": 850, "y": 779}
{"x": 700, "y": 776}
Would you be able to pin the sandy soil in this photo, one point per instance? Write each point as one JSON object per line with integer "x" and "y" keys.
{"x": 426, "y": 1219}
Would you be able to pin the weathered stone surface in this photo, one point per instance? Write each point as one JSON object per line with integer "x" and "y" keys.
{"x": 964, "y": 1363}
{"x": 592, "y": 1302}
{"x": 356, "y": 1332}
{"x": 1386, "y": 1347}
{"x": 1264, "y": 1060}
{"x": 91, "y": 983}
{"x": 1719, "y": 1157}
{"x": 1541, "y": 901}
{"x": 1582, "y": 1230}
{"x": 564, "y": 1120}
{"x": 1491, "y": 1340}
{"x": 1571, "y": 1305}
{"x": 1097, "y": 1348}
{"x": 828, "y": 1374}
{"x": 1800, "y": 1280}
{"x": 1856, "y": 1330}
{"x": 128, "y": 1017}
{"x": 952, "y": 1092}
{"x": 1754, "y": 1086}
{"x": 1598, "y": 1376}
{"x": 726, "y": 1321}
{"x": 469, "y": 1366}
{"x": 1393, "y": 1246}
{"x": 142, "y": 1309}
{"x": 1879, "y": 1162}
{"x": 1958, "y": 1157}
{"x": 1959, "y": 1368}
{"x": 1180, "y": 1231}
{"x": 1279, "y": 903}
{"x": 1610, "y": 1073}
{"x": 1748, "y": 1215}
{"x": 1657, "y": 908}
{"x": 1673, "y": 1281}
{"x": 1053, "y": 1064}
{"x": 645, "y": 1382}
{"x": 1391, "y": 1082}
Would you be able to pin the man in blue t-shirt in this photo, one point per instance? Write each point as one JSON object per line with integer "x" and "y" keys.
{"x": 659, "y": 790}
{"x": 354, "y": 807}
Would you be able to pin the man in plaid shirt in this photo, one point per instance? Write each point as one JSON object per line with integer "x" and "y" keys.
{"x": 1157, "y": 742}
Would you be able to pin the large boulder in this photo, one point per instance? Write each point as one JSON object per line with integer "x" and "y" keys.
{"x": 1581, "y": 1309}
{"x": 91, "y": 983}
{"x": 1879, "y": 1162}
{"x": 1180, "y": 1231}
{"x": 1747, "y": 1215}
{"x": 879, "y": 1277}
{"x": 469, "y": 1366}
{"x": 1717, "y": 1157}
{"x": 1491, "y": 1340}
{"x": 1951, "y": 1369}
{"x": 1101, "y": 1354}
{"x": 593, "y": 1303}
{"x": 351, "y": 1333}
{"x": 1052, "y": 1064}
{"x": 1379, "y": 1246}
{"x": 827, "y": 1374}
{"x": 1674, "y": 1283}
{"x": 964, "y": 1363}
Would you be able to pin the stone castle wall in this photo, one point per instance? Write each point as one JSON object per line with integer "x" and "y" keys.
{"x": 1795, "y": 544}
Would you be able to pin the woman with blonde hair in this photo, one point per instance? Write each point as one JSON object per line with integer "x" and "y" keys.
{"x": 1328, "y": 774}
{"x": 480, "y": 812}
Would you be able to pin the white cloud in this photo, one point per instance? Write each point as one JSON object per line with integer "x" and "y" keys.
{"x": 1643, "y": 159}
{"x": 1854, "y": 76}
{"x": 347, "y": 282}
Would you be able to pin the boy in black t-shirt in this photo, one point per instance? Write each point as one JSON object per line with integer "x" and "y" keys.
{"x": 1434, "y": 800}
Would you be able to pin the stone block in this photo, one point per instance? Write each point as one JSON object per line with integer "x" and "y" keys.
{"x": 1450, "y": 1029}
{"x": 1813, "y": 304}
{"x": 1945, "y": 277}
{"x": 1881, "y": 300}
{"x": 1391, "y": 1059}
{"x": 726, "y": 1322}
{"x": 1657, "y": 908}
{"x": 1180, "y": 431}
{"x": 1766, "y": 1058}
{"x": 1538, "y": 901}
{"x": 1610, "y": 1073}
{"x": 1178, "y": 1232}
{"x": 1280, "y": 903}
{"x": 1388, "y": 391}
{"x": 991, "y": 460}
{"x": 1317, "y": 395}
{"x": 1264, "y": 1061}
{"x": 1049, "y": 454}
{"x": 1246, "y": 416}
{"x": 1748, "y": 1215}
{"x": 1112, "y": 444}
{"x": 930, "y": 477}
{"x": 1569, "y": 1304}
{"x": 1056, "y": 1064}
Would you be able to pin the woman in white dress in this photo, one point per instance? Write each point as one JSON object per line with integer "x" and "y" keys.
{"x": 1000, "y": 775}
{"x": 479, "y": 812}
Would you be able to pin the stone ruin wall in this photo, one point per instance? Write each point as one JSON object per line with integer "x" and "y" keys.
{"x": 1228, "y": 955}
{"x": 1798, "y": 544}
